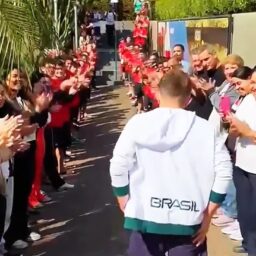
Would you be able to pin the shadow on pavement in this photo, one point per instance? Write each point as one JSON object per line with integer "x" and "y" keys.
{"x": 86, "y": 220}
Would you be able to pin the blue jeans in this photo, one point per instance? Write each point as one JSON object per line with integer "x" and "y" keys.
{"x": 229, "y": 205}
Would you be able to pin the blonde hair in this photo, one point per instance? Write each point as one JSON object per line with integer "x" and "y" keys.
{"x": 233, "y": 59}
{"x": 207, "y": 47}
{"x": 195, "y": 51}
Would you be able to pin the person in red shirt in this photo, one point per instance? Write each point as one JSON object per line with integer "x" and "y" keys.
{"x": 137, "y": 64}
{"x": 121, "y": 50}
{"x": 58, "y": 76}
{"x": 121, "y": 47}
{"x": 140, "y": 35}
{"x": 127, "y": 56}
{"x": 61, "y": 118}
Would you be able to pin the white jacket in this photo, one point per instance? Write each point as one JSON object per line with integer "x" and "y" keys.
{"x": 171, "y": 164}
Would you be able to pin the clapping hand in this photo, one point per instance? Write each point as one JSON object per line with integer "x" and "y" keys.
{"x": 239, "y": 128}
{"x": 19, "y": 146}
{"x": 207, "y": 87}
{"x": 42, "y": 101}
{"x": 9, "y": 129}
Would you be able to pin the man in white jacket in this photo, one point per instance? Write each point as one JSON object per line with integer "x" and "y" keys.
{"x": 170, "y": 174}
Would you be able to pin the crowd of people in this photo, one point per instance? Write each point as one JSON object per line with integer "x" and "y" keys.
{"x": 91, "y": 26}
{"x": 38, "y": 115}
{"x": 223, "y": 93}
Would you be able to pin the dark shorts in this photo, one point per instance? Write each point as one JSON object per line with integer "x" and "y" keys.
{"x": 84, "y": 95}
{"x": 148, "y": 103}
{"x": 128, "y": 77}
{"x": 97, "y": 31}
{"x": 162, "y": 245}
{"x": 138, "y": 91}
{"x": 62, "y": 136}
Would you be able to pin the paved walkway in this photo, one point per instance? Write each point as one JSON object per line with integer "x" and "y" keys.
{"x": 86, "y": 220}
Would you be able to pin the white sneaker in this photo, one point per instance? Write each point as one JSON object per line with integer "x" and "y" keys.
{"x": 66, "y": 186}
{"x": 20, "y": 244}
{"x": 68, "y": 152}
{"x": 236, "y": 235}
{"x": 231, "y": 228}
{"x": 33, "y": 236}
{"x": 46, "y": 199}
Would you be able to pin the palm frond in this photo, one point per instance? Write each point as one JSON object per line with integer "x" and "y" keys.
{"x": 20, "y": 33}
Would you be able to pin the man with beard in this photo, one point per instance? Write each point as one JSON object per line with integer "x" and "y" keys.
{"x": 211, "y": 64}
{"x": 197, "y": 65}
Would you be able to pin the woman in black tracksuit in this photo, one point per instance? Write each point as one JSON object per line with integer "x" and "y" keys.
{"x": 24, "y": 162}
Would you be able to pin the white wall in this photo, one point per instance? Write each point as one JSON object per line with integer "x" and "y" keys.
{"x": 244, "y": 37}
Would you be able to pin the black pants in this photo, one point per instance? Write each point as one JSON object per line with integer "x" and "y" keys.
{"x": 245, "y": 184}
{"x": 138, "y": 90}
{"x": 24, "y": 166}
{"x": 2, "y": 214}
{"x": 50, "y": 161}
{"x": 161, "y": 245}
{"x": 93, "y": 82}
{"x": 110, "y": 34}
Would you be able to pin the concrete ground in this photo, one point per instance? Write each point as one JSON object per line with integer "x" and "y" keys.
{"x": 86, "y": 221}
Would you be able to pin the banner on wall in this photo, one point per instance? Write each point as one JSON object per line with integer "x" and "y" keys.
{"x": 214, "y": 31}
{"x": 153, "y": 37}
{"x": 161, "y": 34}
{"x": 167, "y": 45}
{"x": 193, "y": 33}
{"x": 178, "y": 35}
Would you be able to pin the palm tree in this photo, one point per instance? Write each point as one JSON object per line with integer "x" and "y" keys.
{"x": 27, "y": 27}
{"x": 22, "y": 33}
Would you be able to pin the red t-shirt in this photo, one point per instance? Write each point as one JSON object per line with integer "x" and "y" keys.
{"x": 121, "y": 47}
{"x": 136, "y": 63}
{"x": 58, "y": 119}
{"x": 85, "y": 68}
{"x": 55, "y": 84}
{"x": 141, "y": 36}
{"x": 145, "y": 22}
{"x": 136, "y": 32}
{"x": 148, "y": 92}
{"x": 127, "y": 59}
{"x": 144, "y": 32}
{"x": 69, "y": 74}
{"x": 136, "y": 77}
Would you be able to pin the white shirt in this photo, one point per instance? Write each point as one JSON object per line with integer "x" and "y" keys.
{"x": 97, "y": 17}
{"x": 178, "y": 158}
{"x": 110, "y": 19}
{"x": 5, "y": 169}
{"x": 32, "y": 136}
{"x": 246, "y": 149}
{"x": 224, "y": 89}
